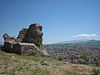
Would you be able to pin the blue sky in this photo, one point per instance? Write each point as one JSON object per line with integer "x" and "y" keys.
{"x": 62, "y": 20}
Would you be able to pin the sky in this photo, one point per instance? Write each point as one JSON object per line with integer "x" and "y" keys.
{"x": 62, "y": 20}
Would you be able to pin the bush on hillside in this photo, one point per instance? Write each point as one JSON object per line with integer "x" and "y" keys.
{"x": 96, "y": 71}
{"x": 37, "y": 42}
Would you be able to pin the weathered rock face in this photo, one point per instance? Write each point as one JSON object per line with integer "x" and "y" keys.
{"x": 34, "y": 35}
{"x": 8, "y": 38}
{"x": 28, "y": 42}
{"x": 27, "y": 49}
{"x": 21, "y": 35}
{"x": 8, "y": 43}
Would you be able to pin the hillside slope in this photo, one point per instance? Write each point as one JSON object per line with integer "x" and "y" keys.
{"x": 12, "y": 64}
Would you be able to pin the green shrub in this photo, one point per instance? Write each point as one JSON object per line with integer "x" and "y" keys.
{"x": 60, "y": 59}
{"x": 37, "y": 42}
{"x": 86, "y": 57}
{"x": 44, "y": 63}
{"x": 96, "y": 62}
{"x": 95, "y": 71}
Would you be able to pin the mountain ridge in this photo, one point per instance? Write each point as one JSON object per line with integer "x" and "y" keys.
{"x": 73, "y": 42}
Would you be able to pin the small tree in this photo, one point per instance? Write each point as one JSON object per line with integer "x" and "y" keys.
{"x": 85, "y": 56}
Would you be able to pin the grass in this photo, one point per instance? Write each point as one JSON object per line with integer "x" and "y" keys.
{"x": 39, "y": 71}
{"x": 13, "y": 64}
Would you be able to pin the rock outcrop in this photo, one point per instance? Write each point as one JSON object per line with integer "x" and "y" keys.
{"x": 28, "y": 42}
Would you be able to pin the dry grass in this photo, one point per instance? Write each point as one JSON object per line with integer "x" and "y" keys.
{"x": 12, "y": 64}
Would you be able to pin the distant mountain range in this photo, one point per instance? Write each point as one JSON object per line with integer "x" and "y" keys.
{"x": 91, "y": 42}
{"x": 74, "y": 42}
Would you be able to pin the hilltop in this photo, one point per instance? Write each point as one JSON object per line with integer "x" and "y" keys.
{"x": 32, "y": 58}
{"x": 13, "y": 64}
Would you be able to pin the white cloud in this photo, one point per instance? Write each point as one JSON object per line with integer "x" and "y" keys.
{"x": 85, "y": 35}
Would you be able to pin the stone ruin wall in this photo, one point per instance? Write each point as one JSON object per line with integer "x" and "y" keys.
{"x": 21, "y": 34}
{"x": 22, "y": 44}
